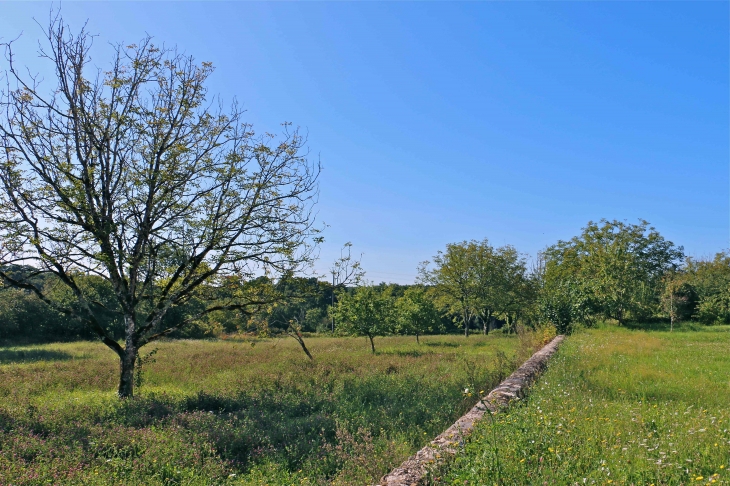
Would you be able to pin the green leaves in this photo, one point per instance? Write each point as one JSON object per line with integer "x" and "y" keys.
{"x": 612, "y": 270}
{"x": 472, "y": 279}
{"x": 365, "y": 312}
{"x": 416, "y": 313}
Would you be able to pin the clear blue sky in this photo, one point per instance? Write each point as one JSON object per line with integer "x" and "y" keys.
{"x": 440, "y": 122}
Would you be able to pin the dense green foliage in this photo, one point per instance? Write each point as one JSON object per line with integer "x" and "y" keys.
{"x": 27, "y": 319}
{"x": 615, "y": 407}
{"x": 230, "y": 412}
{"x": 416, "y": 313}
{"x": 367, "y": 312}
{"x": 473, "y": 281}
{"x": 709, "y": 281}
{"x": 613, "y": 270}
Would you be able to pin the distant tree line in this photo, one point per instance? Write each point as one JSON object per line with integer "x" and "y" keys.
{"x": 613, "y": 270}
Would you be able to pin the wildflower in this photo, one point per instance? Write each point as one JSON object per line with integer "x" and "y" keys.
{"x": 699, "y": 478}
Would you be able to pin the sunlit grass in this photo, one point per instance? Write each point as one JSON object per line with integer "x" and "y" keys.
{"x": 213, "y": 412}
{"x": 615, "y": 407}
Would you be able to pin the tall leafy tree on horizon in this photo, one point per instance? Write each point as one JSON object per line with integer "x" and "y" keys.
{"x": 476, "y": 281}
{"x": 616, "y": 265}
{"x": 452, "y": 279}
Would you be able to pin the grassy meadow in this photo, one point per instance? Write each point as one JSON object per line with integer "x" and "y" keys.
{"x": 616, "y": 406}
{"x": 229, "y": 412}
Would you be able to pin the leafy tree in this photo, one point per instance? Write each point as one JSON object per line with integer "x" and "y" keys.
{"x": 452, "y": 279}
{"x": 346, "y": 271}
{"x": 615, "y": 268}
{"x": 416, "y": 313}
{"x": 678, "y": 298}
{"x": 501, "y": 283}
{"x": 365, "y": 312}
{"x": 474, "y": 280}
{"x": 710, "y": 281}
{"x": 561, "y": 303}
{"x": 134, "y": 175}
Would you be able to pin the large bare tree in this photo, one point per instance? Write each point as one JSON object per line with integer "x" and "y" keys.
{"x": 136, "y": 175}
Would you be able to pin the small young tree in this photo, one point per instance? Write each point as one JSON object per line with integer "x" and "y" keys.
{"x": 416, "y": 313}
{"x": 134, "y": 175}
{"x": 678, "y": 298}
{"x": 365, "y": 312}
{"x": 345, "y": 271}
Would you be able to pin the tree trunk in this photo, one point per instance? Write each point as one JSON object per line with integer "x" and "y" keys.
{"x": 372, "y": 344}
{"x": 466, "y": 325}
{"x": 419, "y": 342}
{"x": 127, "y": 360}
{"x": 126, "y": 372}
{"x": 300, "y": 340}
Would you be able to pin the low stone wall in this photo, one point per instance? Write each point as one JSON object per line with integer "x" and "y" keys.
{"x": 413, "y": 471}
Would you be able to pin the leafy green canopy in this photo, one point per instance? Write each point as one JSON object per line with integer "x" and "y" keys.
{"x": 475, "y": 281}
{"x": 709, "y": 280}
{"x": 416, "y": 313}
{"x": 612, "y": 270}
{"x": 365, "y": 312}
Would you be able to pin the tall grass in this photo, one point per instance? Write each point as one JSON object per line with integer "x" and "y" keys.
{"x": 229, "y": 412}
{"x": 615, "y": 407}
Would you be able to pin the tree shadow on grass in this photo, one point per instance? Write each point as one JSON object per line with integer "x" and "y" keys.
{"x": 666, "y": 326}
{"x": 296, "y": 426}
{"x": 8, "y": 356}
{"x": 409, "y": 353}
{"x": 442, "y": 344}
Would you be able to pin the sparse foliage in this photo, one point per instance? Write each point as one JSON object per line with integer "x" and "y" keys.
{"x": 136, "y": 176}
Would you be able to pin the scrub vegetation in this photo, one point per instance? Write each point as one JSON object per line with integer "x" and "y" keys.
{"x": 615, "y": 407}
{"x": 237, "y": 412}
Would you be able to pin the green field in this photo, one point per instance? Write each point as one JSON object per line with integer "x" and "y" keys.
{"x": 615, "y": 407}
{"x": 212, "y": 412}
